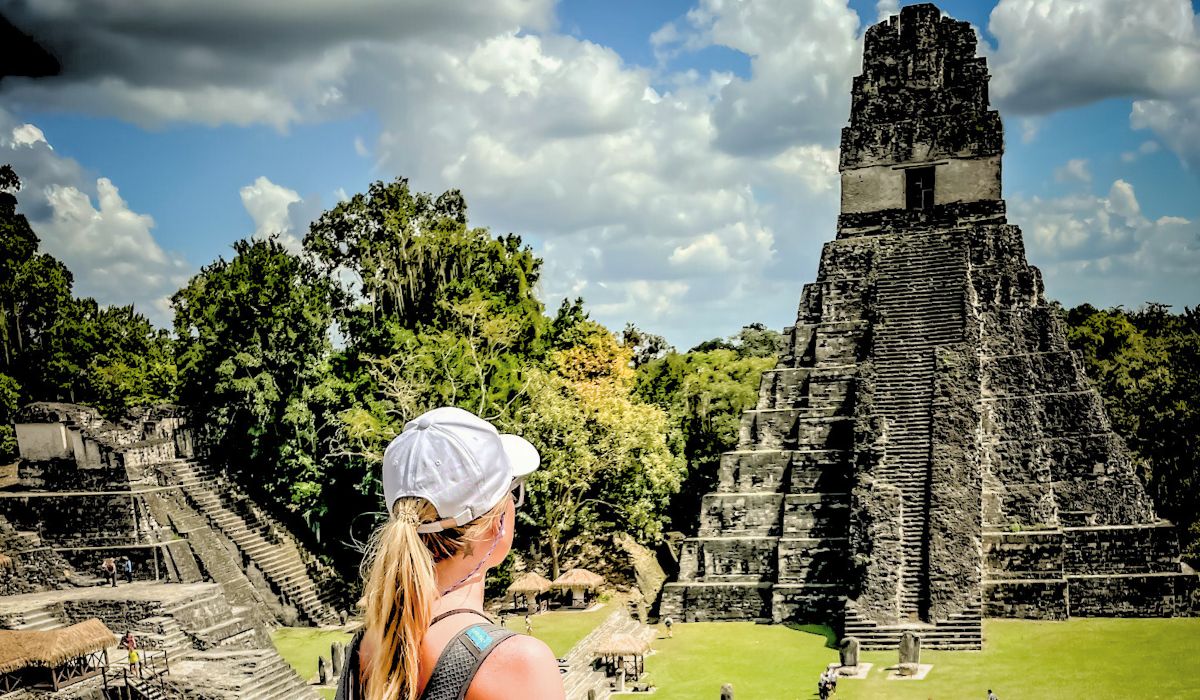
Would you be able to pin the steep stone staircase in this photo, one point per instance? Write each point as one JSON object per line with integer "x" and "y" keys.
{"x": 259, "y": 674}
{"x": 920, "y": 291}
{"x": 261, "y": 541}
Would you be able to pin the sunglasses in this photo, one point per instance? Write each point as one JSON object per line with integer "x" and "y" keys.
{"x": 518, "y": 492}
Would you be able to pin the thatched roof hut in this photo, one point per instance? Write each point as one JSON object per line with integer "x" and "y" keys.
{"x": 579, "y": 579}
{"x": 52, "y": 648}
{"x": 622, "y": 645}
{"x": 530, "y": 583}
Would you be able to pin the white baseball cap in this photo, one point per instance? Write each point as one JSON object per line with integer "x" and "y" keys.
{"x": 458, "y": 462}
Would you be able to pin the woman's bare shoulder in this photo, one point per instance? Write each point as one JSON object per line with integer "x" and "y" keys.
{"x": 521, "y": 666}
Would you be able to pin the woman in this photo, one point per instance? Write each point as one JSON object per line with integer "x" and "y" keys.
{"x": 451, "y": 483}
{"x": 129, "y": 644}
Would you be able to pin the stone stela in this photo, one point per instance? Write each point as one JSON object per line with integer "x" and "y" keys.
{"x": 928, "y": 449}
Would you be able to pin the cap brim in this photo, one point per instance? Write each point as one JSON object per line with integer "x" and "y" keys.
{"x": 522, "y": 456}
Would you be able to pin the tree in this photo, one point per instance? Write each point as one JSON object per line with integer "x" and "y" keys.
{"x": 1146, "y": 365}
{"x": 704, "y": 393}
{"x": 252, "y": 358}
{"x": 645, "y": 346}
{"x": 605, "y": 460}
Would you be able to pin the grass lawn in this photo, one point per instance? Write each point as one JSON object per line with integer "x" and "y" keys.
{"x": 561, "y": 629}
{"x": 1084, "y": 658}
{"x": 300, "y": 647}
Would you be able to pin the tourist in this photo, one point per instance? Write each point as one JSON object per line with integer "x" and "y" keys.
{"x": 668, "y": 622}
{"x": 110, "y": 571}
{"x": 451, "y": 485}
{"x": 528, "y": 624}
{"x": 831, "y": 678}
{"x": 823, "y": 686}
{"x": 127, "y": 568}
{"x": 991, "y": 695}
{"x": 129, "y": 644}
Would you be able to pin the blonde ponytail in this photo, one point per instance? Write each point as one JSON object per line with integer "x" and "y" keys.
{"x": 399, "y": 594}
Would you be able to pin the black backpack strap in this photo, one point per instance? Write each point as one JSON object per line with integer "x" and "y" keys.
{"x": 348, "y": 687}
{"x": 461, "y": 659}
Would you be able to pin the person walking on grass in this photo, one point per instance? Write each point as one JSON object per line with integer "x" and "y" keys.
{"x": 528, "y": 624}
{"x": 667, "y": 623}
{"x": 991, "y": 695}
{"x": 451, "y": 484}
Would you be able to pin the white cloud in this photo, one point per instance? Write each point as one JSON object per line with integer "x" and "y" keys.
{"x": 1075, "y": 170}
{"x": 270, "y": 206}
{"x": 1145, "y": 149}
{"x": 677, "y": 200}
{"x": 27, "y": 135}
{"x": 83, "y": 221}
{"x": 1176, "y": 122}
{"x": 1103, "y": 251}
{"x": 886, "y": 8}
{"x": 1067, "y": 53}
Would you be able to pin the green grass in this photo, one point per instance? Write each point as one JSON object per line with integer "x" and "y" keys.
{"x": 1084, "y": 658}
{"x": 561, "y": 629}
{"x": 300, "y": 647}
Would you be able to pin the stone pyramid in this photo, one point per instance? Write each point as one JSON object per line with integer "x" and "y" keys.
{"x": 928, "y": 450}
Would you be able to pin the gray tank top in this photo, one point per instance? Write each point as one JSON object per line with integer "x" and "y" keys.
{"x": 455, "y": 669}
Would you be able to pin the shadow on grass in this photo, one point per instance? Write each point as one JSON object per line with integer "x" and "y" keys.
{"x": 831, "y": 639}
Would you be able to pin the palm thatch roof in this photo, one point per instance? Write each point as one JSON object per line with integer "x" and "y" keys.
{"x": 624, "y": 644}
{"x": 50, "y": 648}
{"x": 579, "y": 578}
{"x": 530, "y": 582}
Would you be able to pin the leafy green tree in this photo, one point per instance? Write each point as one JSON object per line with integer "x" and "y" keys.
{"x": 252, "y": 360}
{"x": 432, "y": 312}
{"x": 704, "y": 393}
{"x": 605, "y": 460}
{"x": 1146, "y": 364}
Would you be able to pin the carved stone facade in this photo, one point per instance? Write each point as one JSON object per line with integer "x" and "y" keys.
{"x": 928, "y": 448}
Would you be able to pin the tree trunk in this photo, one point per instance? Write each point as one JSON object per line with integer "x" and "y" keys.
{"x": 554, "y": 572}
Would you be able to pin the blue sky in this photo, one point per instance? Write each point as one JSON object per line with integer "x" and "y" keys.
{"x": 602, "y": 132}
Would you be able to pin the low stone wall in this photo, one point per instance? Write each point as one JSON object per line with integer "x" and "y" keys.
{"x": 1136, "y": 595}
{"x": 1028, "y": 599}
{"x": 1121, "y": 550}
{"x": 75, "y": 520}
{"x": 700, "y": 602}
{"x": 740, "y": 514}
{"x": 89, "y": 561}
{"x": 725, "y": 558}
{"x": 818, "y": 604}
{"x": 813, "y": 560}
{"x": 816, "y": 515}
{"x": 1036, "y": 554}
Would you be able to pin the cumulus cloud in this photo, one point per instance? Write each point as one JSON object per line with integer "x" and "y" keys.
{"x": 228, "y": 61}
{"x": 1176, "y": 122}
{"x": 1146, "y": 148}
{"x": 84, "y": 221}
{"x": 1103, "y": 250}
{"x": 1067, "y": 53}
{"x": 676, "y": 199}
{"x": 1075, "y": 170}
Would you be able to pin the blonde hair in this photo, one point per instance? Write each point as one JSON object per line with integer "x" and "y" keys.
{"x": 400, "y": 590}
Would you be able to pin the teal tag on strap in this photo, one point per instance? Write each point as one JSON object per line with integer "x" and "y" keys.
{"x": 481, "y": 639}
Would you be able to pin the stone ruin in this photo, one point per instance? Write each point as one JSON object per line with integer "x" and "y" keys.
{"x": 214, "y": 573}
{"x": 928, "y": 449}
